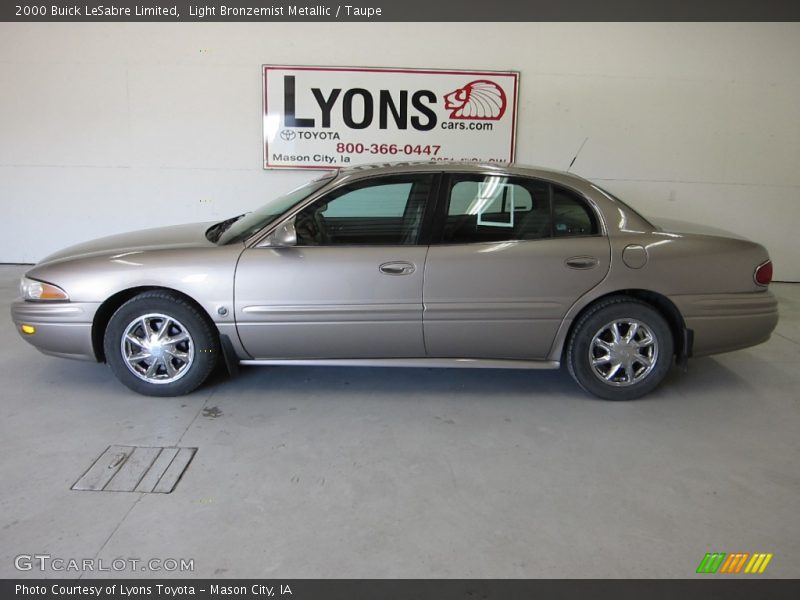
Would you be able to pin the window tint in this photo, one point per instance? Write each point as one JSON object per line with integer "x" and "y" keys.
{"x": 385, "y": 211}
{"x": 467, "y": 197}
{"x": 361, "y": 203}
{"x": 495, "y": 208}
{"x": 571, "y": 216}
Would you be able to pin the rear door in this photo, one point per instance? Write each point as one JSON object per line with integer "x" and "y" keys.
{"x": 513, "y": 254}
{"x": 351, "y": 287}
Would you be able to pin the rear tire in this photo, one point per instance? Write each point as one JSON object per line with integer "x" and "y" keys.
{"x": 620, "y": 349}
{"x": 158, "y": 344}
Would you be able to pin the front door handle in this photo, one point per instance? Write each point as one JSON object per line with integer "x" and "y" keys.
{"x": 581, "y": 262}
{"x": 397, "y": 268}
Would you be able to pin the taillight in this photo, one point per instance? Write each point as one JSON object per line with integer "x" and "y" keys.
{"x": 763, "y": 274}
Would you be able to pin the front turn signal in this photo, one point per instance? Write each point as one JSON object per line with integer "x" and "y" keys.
{"x": 28, "y": 329}
{"x": 39, "y": 290}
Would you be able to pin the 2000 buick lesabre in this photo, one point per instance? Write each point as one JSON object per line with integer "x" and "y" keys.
{"x": 436, "y": 264}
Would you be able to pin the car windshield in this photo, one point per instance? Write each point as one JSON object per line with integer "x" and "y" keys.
{"x": 242, "y": 227}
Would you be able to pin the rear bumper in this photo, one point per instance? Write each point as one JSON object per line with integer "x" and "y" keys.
{"x": 725, "y": 322}
{"x": 62, "y": 328}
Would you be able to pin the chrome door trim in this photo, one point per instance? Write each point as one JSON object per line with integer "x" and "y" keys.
{"x": 445, "y": 363}
{"x": 306, "y": 312}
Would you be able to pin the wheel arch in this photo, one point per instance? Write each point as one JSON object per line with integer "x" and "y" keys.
{"x": 106, "y": 310}
{"x": 682, "y": 337}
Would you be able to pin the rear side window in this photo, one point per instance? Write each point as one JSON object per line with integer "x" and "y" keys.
{"x": 495, "y": 208}
{"x": 571, "y": 216}
{"x": 467, "y": 196}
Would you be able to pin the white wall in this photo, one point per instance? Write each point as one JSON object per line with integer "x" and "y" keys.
{"x": 112, "y": 127}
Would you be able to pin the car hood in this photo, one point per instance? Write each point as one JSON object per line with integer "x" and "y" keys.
{"x": 160, "y": 238}
{"x": 685, "y": 227}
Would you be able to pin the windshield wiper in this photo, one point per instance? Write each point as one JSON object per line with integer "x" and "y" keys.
{"x": 214, "y": 232}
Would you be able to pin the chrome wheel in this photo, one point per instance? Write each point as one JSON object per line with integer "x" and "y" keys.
{"x": 623, "y": 352}
{"x": 157, "y": 348}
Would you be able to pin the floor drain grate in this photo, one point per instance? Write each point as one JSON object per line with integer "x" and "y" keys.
{"x": 148, "y": 469}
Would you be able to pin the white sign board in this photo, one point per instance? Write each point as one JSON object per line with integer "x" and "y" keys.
{"x": 322, "y": 117}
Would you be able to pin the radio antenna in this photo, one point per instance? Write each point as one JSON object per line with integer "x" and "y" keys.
{"x": 574, "y": 158}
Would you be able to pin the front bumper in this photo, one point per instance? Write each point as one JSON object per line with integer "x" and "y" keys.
{"x": 62, "y": 328}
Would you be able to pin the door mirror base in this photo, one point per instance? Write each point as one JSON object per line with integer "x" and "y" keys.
{"x": 284, "y": 236}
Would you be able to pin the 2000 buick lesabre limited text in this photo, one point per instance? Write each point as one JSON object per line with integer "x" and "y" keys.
{"x": 434, "y": 265}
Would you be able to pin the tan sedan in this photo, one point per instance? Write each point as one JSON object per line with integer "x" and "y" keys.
{"x": 432, "y": 265}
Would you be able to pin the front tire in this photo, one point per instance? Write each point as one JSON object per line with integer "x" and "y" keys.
{"x": 158, "y": 344}
{"x": 620, "y": 349}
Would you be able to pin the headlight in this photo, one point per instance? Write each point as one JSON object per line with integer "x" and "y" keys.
{"x": 39, "y": 290}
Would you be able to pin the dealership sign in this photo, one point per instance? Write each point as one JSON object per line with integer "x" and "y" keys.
{"x": 318, "y": 117}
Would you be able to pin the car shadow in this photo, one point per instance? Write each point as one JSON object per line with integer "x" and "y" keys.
{"x": 704, "y": 376}
{"x": 411, "y": 381}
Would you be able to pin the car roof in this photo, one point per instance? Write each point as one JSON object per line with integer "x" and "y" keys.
{"x": 369, "y": 170}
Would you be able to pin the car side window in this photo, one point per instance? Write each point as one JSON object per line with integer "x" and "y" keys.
{"x": 376, "y": 212}
{"x": 495, "y": 208}
{"x": 571, "y": 216}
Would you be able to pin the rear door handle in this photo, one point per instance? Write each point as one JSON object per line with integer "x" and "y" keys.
{"x": 397, "y": 268}
{"x": 581, "y": 262}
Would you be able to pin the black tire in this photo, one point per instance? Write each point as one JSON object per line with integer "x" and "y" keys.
{"x": 646, "y": 365}
{"x": 181, "y": 365}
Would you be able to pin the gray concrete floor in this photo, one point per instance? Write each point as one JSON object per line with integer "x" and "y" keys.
{"x": 330, "y": 472}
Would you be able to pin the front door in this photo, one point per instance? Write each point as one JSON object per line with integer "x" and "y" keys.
{"x": 351, "y": 287}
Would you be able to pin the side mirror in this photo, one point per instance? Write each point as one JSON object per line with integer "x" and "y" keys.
{"x": 283, "y": 237}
